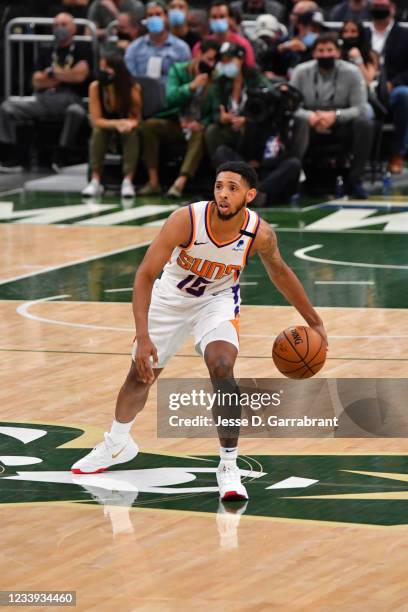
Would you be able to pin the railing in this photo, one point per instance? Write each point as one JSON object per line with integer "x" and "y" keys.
{"x": 21, "y": 39}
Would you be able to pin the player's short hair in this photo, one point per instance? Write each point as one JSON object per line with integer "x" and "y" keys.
{"x": 243, "y": 169}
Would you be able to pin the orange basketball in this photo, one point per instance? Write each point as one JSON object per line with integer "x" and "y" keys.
{"x": 299, "y": 352}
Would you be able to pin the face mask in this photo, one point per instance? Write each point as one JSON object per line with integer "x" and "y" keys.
{"x": 155, "y": 25}
{"x": 204, "y": 68}
{"x": 105, "y": 77}
{"x": 229, "y": 70}
{"x": 350, "y": 42}
{"x": 309, "y": 39}
{"x": 124, "y": 36}
{"x": 327, "y": 63}
{"x": 380, "y": 12}
{"x": 219, "y": 26}
{"x": 61, "y": 33}
{"x": 176, "y": 18}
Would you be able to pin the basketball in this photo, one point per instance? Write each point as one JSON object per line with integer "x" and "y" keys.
{"x": 299, "y": 352}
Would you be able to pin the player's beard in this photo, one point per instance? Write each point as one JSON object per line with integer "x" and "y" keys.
{"x": 228, "y": 216}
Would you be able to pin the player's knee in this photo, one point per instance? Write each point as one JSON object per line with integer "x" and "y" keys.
{"x": 220, "y": 367}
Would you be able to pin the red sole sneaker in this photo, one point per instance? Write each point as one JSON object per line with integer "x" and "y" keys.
{"x": 233, "y": 496}
{"x": 78, "y": 471}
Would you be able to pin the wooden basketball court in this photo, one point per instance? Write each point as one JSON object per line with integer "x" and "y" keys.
{"x": 141, "y": 538}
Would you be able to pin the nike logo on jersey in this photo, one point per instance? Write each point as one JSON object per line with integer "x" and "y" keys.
{"x": 198, "y": 243}
{"x": 205, "y": 268}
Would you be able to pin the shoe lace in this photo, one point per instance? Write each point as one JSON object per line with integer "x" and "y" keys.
{"x": 230, "y": 473}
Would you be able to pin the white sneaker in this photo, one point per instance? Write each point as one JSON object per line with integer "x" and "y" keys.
{"x": 229, "y": 482}
{"x": 127, "y": 190}
{"x": 105, "y": 455}
{"x": 93, "y": 189}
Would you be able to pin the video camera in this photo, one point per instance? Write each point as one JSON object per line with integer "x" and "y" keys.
{"x": 273, "y": 104}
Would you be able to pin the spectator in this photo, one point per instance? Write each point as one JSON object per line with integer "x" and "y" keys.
{"x": 390, "y": 41}
{"x": 77, "y": 8}
{"x": 356, "y": 49}
{"x": 60, "y": 82}
{"x": 128, "y": 29}
{"x": 103, "y": 12}
{"x": 250, "y": 9}
{"x": 334, "y": 108}
{"x": 221, "y": 30}
{"x": 178, "y": 19}
{"x": 350, "y": 10}
{"x": 115, "y": 107}
{"x": 198, "y": 23}
{"x": 188, "y": 112}
{"x": 304, "y": 6}
{"x": 153, "y": 54}
{"x": 228, "y": 98}
{"x": 308, "y": 26}
{"x": 268, "y": 35}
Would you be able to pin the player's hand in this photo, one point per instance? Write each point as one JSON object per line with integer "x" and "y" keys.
{"x": 144, "y": 351}
{"x": 322, "y": 332}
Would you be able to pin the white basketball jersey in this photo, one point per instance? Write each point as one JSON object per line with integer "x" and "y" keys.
{"x": 205, "y": 266}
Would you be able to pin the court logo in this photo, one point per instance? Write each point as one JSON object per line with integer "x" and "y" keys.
{"x": 35, "y": 465}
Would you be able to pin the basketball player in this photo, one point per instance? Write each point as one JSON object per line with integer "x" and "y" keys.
{"x": 202, "y": 250}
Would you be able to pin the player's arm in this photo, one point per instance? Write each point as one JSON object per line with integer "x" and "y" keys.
{"x": 284, "y": 279}
{"x": 175, "y": 231}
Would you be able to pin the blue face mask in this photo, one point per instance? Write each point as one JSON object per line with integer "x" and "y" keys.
{"x": 176, "y": 18}
{"x": 155, "y": 24}
{"x": 229, "y": 70}
{"x": 61, "y": 34}
{"x": 309, "y": 39}
{"x": 219, "y": 26}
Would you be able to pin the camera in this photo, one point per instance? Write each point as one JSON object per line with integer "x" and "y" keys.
{"x": 275, "y": 103}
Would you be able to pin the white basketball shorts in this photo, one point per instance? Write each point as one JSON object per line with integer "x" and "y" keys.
{"x": 173, "y": 318}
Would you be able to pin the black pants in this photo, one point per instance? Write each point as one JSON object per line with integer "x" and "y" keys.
{"x": 49, "y": 105}
{"x": 356, "y": 136}
{"x": 279, "y": 183}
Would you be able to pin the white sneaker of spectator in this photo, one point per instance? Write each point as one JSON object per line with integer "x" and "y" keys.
{"x": 127, "y": 189}
{"x": 93, "y": 189}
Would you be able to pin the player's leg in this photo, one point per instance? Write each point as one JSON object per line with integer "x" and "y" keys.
{"x": 220, "y": 349}
{"x": 118, "y": 446}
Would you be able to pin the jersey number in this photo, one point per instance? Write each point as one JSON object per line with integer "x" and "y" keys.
{"x": 197, "y": 287}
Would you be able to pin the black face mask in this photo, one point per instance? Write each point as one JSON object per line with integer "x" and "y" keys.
{"x": 124, "y": 36}
{"x": 204, "y": 68}
{"x": 105, "y": 77}
{"x": 349, "y": 43}
{"x": 326, "y": 63}
{"x": 380, "y": 13}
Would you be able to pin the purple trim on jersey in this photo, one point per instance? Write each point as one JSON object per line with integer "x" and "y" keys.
{"x": 184, "y": 246}
{"x": 209, "y": 231}
{"x": 252, "y": 240}
{"x": 235, "y": 290}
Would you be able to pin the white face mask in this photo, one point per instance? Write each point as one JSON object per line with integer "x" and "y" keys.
{"x": 229, "y": 70}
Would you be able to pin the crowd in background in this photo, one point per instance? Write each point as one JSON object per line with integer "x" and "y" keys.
{"x": 212, "y": 61}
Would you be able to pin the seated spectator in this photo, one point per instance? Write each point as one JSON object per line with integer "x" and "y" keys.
{"x": 60, "y": 82}
{"x": 350, "y": 10}
{"x": 390, "y": 41}
{"x": 303, "y": 6}
{"x": 188, "y": 112}
{"x": 263, "y": 146}
{"x": 198, "y": 23}
{"x": 178, "y": 19}
{"x": 250, "y": 9}
{"x": 129, "y": 28}
{"x": 103, "y": 12}
{"x": 268, "y": 34}
{"x": 220, "y": 27}
{"x": 77, "y": 8}
{"x": 228, "y": 96}
{"x": 299, "y": 48}
{"x": 115, "y": 107}
{"x": 334, "y": 108}
{"x": 153, "y": 54}
{"x": 356, "y": 49}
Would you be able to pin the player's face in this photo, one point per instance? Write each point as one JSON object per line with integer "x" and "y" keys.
{"x": 231, "y": 193}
